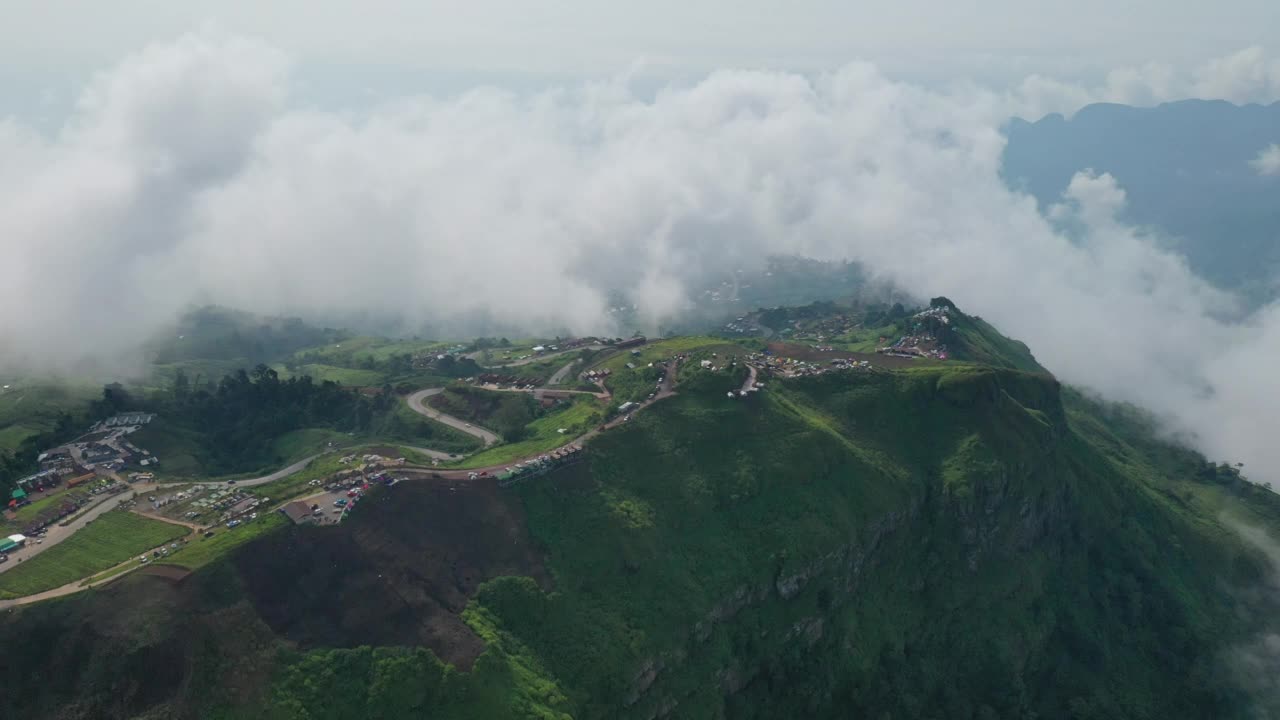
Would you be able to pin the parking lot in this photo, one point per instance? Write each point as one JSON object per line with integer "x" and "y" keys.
{"x": 329, "y": 507}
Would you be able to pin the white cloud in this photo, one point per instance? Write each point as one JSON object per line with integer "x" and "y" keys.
{"x": 1243, "y": 77}
{"x": 1268, "y": 161}
{"x": 185, "y": 177}
{"x": 1247, "y": 76}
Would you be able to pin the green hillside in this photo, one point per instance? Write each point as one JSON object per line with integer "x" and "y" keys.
{"x": 974, "y": 339}
{"x": 949, "y": 541}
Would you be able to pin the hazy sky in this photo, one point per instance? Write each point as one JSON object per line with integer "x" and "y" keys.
{"x": 346, "y": 47}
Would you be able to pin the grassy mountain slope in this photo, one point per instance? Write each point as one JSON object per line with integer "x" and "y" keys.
{"x": 947, "y": 541}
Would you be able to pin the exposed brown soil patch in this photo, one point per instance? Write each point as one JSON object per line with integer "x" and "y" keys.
{"x": 172, "y": 573}
{"x": 398, "y": 572}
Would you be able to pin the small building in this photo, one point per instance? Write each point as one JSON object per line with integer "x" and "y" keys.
{"x": 298, "y": 512}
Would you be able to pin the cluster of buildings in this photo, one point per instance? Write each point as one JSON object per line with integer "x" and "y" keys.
{"x": 87, "y": 465}
{"x": 539, "y": 465}
{"x": 922, "y": 339}
{"x": 596, "y": 376}
{"x": 129, "y": 420}
{"x": 354, "y": 482}
{"x": 106, "y": 446}
{"x": 824, "y": 328}
{"x": 500, "y": 380}
{"x": 791, "y": 367}
{"x": 745, "y": 325}
{"x": 368, "y": 463}
{"x": 209, "y": 503}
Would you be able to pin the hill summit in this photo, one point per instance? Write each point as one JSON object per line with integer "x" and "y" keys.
{"x": 959, "y": 538}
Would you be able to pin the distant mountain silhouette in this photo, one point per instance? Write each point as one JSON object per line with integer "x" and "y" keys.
{"x": 1186, "y": 168}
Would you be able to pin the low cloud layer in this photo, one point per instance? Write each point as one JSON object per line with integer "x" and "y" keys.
{"x": 185, "y": 176}
{"x": 1268, "y": 161}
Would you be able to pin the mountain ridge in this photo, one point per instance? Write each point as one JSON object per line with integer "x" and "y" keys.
{"x": 951, "y": 539}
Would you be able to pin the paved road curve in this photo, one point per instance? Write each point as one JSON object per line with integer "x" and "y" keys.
{"x": 284, "y": 473}
{"x": 560, "y": 374}
{"x": 417, "y": 403}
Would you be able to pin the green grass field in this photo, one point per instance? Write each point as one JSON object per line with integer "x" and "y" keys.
{"x": 178, "y": 449}
{"x": 663, "y": 349}
{"x": 577, "y": 418}
{"x": 28, "y": 408}
{"x": 110, "y": 573}
{"x": 295, "y": 445}
{"x": 203, "y": 550}
{"x": 103, "y": 543}
{"x": 347, "y": 376}
{"x": 408, "y": 427}
{"x": 352, "y": 351}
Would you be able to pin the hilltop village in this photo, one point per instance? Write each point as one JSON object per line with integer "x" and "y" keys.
{"x": 526, "y": 409}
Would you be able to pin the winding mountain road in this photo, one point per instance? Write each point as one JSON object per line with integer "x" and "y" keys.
{"x": 417, "y": 403}
{"x": 282, "y": 473}
{"x": 560, "y": 374}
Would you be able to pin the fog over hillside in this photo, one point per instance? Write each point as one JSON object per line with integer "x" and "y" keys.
{"x": 186, "y": 175}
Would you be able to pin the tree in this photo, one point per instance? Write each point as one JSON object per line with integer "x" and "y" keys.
{"x": 181, "y": 386}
